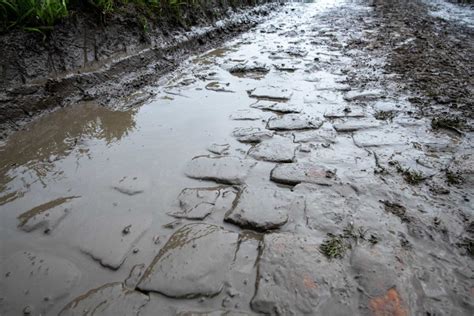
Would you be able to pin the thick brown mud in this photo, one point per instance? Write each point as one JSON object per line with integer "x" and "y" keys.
{"x": 286, "y": 172}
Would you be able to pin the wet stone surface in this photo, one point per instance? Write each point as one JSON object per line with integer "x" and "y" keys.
{"x": 294, "y": 262}
{"x": 278, "y": 149}
{"x": 193, "y": 262}
{"x": 290, "y": 122}
{"x": 352, "y": 126}
{"x": 262, "y": 208}
{"x": 198, "y": 203}
{"x": 298, "y": 172}
{"x": 45, "y": 216}
{"x": 252, "y": 134}
{"x": 219, "y": 149}
{"x": 246, "y": 115}
{"x": 35, "y": 280}
{"x": 270, "y": 93}
{"x": 228, "y": 170}
{"x": 109, "y": 299}
{"x": 325, "y": 135}
{"x": 95, "y": 239}
{"x": 368, "y": 95}
{"x": 276, "y": 107}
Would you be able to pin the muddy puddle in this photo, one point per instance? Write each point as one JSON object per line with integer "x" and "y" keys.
{"x": 268, "y": 175}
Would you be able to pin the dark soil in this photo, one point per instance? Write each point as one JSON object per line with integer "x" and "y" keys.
{"x": 437, "y": 62}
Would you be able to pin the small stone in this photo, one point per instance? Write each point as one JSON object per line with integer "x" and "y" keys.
{"x": 226, "y": 302}
{"x": 231, "y": 292}
{"x": 27, "y": 310}
{"x": 126, "y": 230}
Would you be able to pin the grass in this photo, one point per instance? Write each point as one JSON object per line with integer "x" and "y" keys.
{"x": 39, "y": 13}
{"x": 454, "y": 178}
{"x": 447, "y": 123}
{"x": 334, "y": 247}
{"x": 385, "y": 115}
{"x": 397, "y": 210}
{"x": 44, "y": 14}
{"x": 410, "y": 176}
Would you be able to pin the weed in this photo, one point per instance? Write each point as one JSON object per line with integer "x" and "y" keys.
{"x": 468, "y": 245}
{"x": 413, "y": 177}
{"x": 350, "y": 232}
{"x": 41, "y": 14}
{"x": 410, "y": 176}
{"x": 384, "y": 115}
{"x": 447, "y": 123}
{"x": 31, "y": 12}
{"x": 144, "y": 23}
{"x": 397, "y": 210}
{"x": 374, "y": 239}
{"x": 454, "y": 178}
{"x": 334, "y": 247}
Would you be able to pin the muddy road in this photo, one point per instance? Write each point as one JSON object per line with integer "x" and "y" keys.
{"x": 286, "y": 172}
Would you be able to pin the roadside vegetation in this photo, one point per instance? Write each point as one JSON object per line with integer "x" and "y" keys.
{"x": 44, "y": 14}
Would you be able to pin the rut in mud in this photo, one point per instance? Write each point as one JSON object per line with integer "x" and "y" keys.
{"x": 286, "y": 173}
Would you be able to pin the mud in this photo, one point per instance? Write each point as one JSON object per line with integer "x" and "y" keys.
{"x": 321, "y": 206}
{"x": 107, "y": 58}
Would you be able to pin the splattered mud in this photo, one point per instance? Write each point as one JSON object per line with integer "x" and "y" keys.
{"x": 285, "y": 173}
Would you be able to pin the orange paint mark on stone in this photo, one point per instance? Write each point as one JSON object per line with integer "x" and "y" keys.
{"x": 317, "y": 173}
{"x": 389, "y": 304}
{"x": 309, "y": 282}
{"x": 280, "y": 247}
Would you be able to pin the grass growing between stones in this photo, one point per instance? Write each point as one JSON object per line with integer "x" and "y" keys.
{"x": 454, "y": 178}
{"x": 410, "y": 176}
{"x": 385, "y": 115}
{"x": 447, "y": 123}
{"x": 335, "y": 246}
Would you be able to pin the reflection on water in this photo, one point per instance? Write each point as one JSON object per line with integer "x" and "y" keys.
{"x": 54, "y": 137}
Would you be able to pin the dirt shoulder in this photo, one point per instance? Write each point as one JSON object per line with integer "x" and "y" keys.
{"x": 106, "y": 58}
{"x": 434, "y": 57}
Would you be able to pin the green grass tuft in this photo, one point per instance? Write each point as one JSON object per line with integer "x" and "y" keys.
{"x": 43, "y": 14}
{"x": 334, "y": 247}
